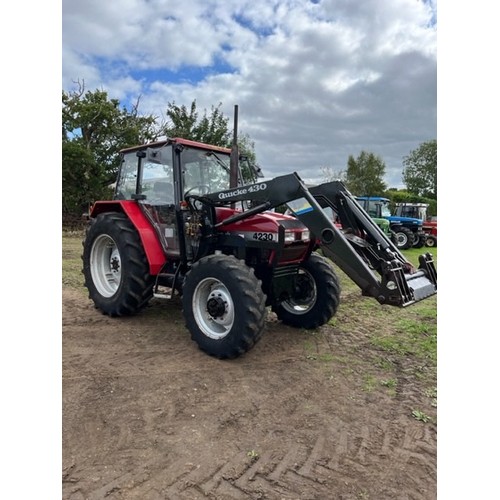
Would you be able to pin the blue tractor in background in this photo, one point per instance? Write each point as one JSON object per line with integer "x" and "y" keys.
{"x": 407, "y": 231}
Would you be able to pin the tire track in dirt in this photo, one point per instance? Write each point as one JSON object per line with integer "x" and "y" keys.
{"x": 148, "y": 416}
{"x": 340, "y": 463}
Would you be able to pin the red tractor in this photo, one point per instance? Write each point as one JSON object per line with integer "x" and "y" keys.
{"x": 183, "y": 222}
{"x": 431, "y": 231}
{"x": 419, "y": 211}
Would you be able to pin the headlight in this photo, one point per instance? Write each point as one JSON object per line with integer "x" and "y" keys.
{"x": 291, "y": 236}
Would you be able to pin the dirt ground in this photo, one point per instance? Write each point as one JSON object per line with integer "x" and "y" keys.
{"x": 147, "y": 415}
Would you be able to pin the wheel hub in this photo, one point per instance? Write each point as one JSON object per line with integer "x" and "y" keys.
{"x": 114, "y": 262}
{"x": 304, "y": 294}
{"x": 216, "y": 307}
{"x": 213, "y": 308}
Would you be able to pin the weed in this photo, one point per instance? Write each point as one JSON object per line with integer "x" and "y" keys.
{"x": 392, "y": 382}
{"x": 420, "y": 415}
{"x": 432, "y": 393}
{"x": 253, "y": 455}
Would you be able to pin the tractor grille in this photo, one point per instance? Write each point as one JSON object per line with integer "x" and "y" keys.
{"x": 293, "y": 253}
{"x": 286, "y": 270}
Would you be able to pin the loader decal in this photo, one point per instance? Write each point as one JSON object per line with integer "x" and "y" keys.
{"x": 255, "y": 188}
{"x": 300, "y": 206}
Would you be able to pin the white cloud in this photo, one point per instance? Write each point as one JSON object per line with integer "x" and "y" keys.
{"x": 315, "y": 82}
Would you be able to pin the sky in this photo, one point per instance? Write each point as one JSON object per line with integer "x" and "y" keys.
{"x": 315, "y": 81}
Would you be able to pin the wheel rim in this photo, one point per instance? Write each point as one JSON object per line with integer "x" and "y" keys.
{"x": 105, "y": 265}
{"x": 401, "y": 239}
{"x": 305, "y": 296}
{"x": 430, "y": 242}
{"x": 213, "y": 308}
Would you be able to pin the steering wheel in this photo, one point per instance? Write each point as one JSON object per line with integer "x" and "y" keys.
{"x": 203, "y": 188}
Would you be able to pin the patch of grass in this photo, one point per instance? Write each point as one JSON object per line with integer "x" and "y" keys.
{"x": 391, "y": 385}
{"x": 326, "y": 357}
{"x": 422, "y": 337}
{"x": 369, "y": 384}
{"x": 391, "y": 382}
{"x": 410, "y": 336}
{"x": 72, "y": 261}
{"x": 310, "y": 350}
{"x": 384, "y": 337}
{"x": 394, "y": 345}
{"x": 384, "y": 363}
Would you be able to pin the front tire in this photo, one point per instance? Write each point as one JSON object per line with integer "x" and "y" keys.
{"x": 224, "y": 306}
{"x": 316, "y": 296}
{"x": 404, "y": 238}
{"x": 115, "y": 266}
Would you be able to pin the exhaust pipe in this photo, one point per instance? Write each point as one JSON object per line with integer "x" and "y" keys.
{"x": 235, "y": 156}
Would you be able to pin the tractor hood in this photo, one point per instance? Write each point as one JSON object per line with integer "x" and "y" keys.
{"x": 264, "y": 222}
{"x": 405, "y": 220}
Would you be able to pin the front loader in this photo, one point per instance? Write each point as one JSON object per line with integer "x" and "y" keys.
{"x": 182, "y": 222}
{"x": 360, "y": 248}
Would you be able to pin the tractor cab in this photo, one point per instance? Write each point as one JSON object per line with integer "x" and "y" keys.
{"x": 162, "y": 175}
{"x": 414, "y": 210}
{"x": 166, "y": 172}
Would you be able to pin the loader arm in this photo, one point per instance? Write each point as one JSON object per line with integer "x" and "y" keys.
{"x": 360, "y": 248}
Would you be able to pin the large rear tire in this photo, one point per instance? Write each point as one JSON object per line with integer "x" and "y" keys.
{"x": 404, "y": 238}
{"x": 316, "y": 296}
{"x": 115, "y": 266}
{"x": 419, "y": 241}
{"x": 224, "y": 306}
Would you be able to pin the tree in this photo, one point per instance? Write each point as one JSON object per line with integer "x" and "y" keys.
{"x": 81, "y": 176}
{"x": 329, "y": 174}
{"x": 94, "y": 129}
{"x": 420, "y": 172}
{"x": 211, "y": 129}
{"x": 364, "y": 175}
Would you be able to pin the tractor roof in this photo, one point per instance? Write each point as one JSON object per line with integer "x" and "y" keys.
{"x": 176, "y": 140}
{"x": 374, "y": 198}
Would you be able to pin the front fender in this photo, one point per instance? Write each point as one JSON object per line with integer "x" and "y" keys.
{"x": 149, "y": 238}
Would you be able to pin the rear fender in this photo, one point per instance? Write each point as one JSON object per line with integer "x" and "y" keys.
{"x": 149, "y": 238}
